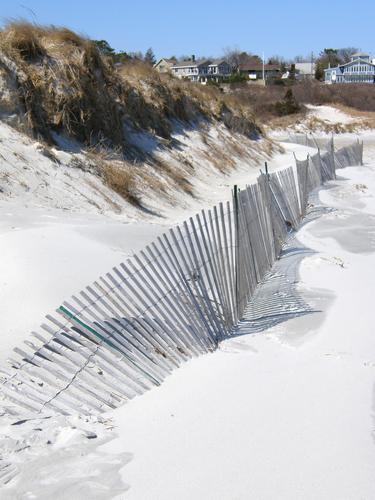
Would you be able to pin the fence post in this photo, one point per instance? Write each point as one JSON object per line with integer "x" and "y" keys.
{"x": 266, "y": 168}
{"x": 332, "y": 153}
{"x": 269, "y": 192}
{"x": 236, "y": 246}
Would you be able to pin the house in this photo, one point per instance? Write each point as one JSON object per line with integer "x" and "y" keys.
{"x": 201, "y": 71}
{"x": 359, "y": 70}
{"x": 305, "y": 70}
{"x": 190, "y": 69}
{"x": 164, "y": 65}
{"x": 254, "y": 70}
{"x": 217, "y": 70}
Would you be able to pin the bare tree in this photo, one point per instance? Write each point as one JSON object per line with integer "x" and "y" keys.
{"x": 328, "y": 57}
{"x": 232, "y": 56}
{"x": 236, "y": 57}
{"x": 280, "y": 60}
{"x": 185, "y": 57}
{"x": 345, "y": 54}
{"x": 136, "y": 55}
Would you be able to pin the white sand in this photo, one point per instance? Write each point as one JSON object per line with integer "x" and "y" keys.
{"x": 287, "y": 413}
{"x": 330, "y": 114}
{"x": 283, "y": 414}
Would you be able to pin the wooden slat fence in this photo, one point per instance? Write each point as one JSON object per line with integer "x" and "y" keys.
{"x": 176, "y": 299}
{"x": 309, "y": 140}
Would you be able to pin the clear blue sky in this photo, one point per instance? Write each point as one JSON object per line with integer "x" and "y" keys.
{"x": 206, "y": 27}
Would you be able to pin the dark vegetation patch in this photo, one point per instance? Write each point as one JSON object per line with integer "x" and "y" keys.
{"x": 359, "y": 96}
{"x": 64, "y": 83}
{"x": 273, "y": 101}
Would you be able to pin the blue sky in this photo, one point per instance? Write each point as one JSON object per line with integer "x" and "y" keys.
{"x": 206, "y": 27}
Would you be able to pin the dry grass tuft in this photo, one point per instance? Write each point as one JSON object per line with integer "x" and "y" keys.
{"x": 121, "y": 180}
{"x": 64, "y": 84}
{"x": 315, "y": 124}
{"x": 176, "y": 175}
{"x": 22, "y": 39}
{"x": 138, "y": 70}
{"x": 64, "y": 36}
{"x": 283, "y": 122}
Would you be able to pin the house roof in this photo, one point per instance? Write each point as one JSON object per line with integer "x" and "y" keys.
{"x": 189, "y": 62}
{"x": 219, "y": 61}
{"x": 256, "y": 66}
{"x": 169, "y": 61}
{"x": 360, "y": 54}
{"x": 351, "y": 62}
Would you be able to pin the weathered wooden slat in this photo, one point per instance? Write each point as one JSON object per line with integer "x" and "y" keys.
{"x": 172, "y": 275}
{"x": 226, "y": 251}
{"x": 191, "y": 277}
{"x": 218, "y": 253}
{"x": 193, "y": 267}
{"x": 146, "y": 327}
{"x": 206, "y": 259}
{"x": 210, "y": 240}
{"x": 197, "y": 260}
{"x": 147, "y": 345}
{"x": 186, "y": 321}
{"x": 160, "y": 309}
{"x": 90, "y": 356}
{"x": 109, "y": 338}
{"x": 52, "y": 354}
{"x": 115, "y": 360}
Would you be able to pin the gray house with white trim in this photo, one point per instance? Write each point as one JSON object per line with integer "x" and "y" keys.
{"x": 201, "y": 71}
{"x": 359, "y": 70}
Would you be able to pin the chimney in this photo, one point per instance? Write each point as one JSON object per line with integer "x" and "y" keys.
{"x": 193, "y": 58}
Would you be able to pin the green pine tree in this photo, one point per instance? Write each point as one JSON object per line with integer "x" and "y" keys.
{"x": 319, "y": 72}
{"x": 150, "y": 57}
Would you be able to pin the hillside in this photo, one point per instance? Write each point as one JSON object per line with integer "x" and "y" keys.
{"x": 110, "y": 137}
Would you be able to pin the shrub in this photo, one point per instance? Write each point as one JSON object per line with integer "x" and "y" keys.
{"x": 288, "y": 105}
{"x": 360, "y": 96}
{"x": 236, "y": 78}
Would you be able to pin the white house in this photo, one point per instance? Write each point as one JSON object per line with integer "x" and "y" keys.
{"x": 305, "y": 70}
{"x": 164, "y": 65}
{"x": 201, "y": 71}
{"x": 254, "y": 69}
{"x": 359, "y": 70}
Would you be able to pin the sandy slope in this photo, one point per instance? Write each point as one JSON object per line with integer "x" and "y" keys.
{"x": 330, "y": 114}
{"x": 58, "y": 233}
{"x": 286, "y": 413}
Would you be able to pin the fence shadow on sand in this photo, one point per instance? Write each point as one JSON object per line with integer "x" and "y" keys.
{"x": 177, "y": 299}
